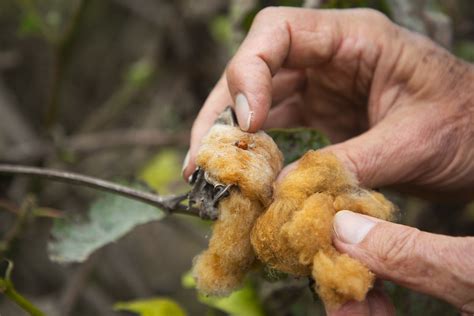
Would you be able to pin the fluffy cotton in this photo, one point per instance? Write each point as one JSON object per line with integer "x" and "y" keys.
{"x": 251, "y": 162}
{"x": 294, "y": 234}
{"x": 288, "y": 228}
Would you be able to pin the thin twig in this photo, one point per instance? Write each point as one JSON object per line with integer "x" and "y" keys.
{"x": 171, "y": 204}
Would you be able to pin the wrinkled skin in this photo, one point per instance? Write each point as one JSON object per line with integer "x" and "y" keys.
{"x": 400, "y": 110}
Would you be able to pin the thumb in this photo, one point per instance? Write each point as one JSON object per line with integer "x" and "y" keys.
{"x": 438, "y": 265}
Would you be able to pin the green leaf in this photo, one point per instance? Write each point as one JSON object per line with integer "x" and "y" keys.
{"x": 244, "y": 302}
{"x": 109, "y": 218}
{"x": 151, "y": 307}
{"x": 295, "y": 142}
{"x": 163, "y": 170}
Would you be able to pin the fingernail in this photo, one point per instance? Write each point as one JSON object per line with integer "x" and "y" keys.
{"x": 242, "y": 110}
{"x": 185, "y": 163}
{"x": 351, "y": 227}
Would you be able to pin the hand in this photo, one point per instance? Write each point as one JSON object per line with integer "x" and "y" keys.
{"x": 437, "y": 265}
{"x": 399, "y": 107}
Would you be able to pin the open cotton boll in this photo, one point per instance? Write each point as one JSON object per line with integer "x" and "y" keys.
{"x": 251, "y": 163}
{"x": 294, "y": 235}
{"x": 288, "y": 228}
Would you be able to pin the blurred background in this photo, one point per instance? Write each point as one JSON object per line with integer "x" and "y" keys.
{"x": 110, "y": 88}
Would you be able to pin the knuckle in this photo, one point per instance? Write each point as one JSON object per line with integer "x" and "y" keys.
{"x": 373, "y": 17}
{"x": 266, "y": 13}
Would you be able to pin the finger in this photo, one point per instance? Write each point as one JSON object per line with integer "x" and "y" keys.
{"x": 438, "y": 265}
{"x": 286, "y": 114}
{"x": 379, "y": 303}
{"x": 216, "y": 102}
{"x": 376, "y": 303}
{"x": 293, "y": 38}
{"x": 352, "y": 308}
{"x": 285, "y": 83}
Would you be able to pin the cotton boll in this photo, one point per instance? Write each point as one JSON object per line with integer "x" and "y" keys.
{"x": 252, "y": 167}
{"x": 294, "y": 235}
{"x": 288, "y": 228}
{"x": 251, "y": 162}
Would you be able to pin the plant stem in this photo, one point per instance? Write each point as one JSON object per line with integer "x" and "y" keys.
{"x": 171, "y": 204}
{"x": 8, "y": 289}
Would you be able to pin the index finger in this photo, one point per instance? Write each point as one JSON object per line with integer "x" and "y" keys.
{"x": 294, "y": 38}
{"x": 285, "y": 83}
{"x": 217, "y": 101}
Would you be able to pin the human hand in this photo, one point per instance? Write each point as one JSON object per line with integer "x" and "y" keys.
{"x": 400, "y": 106}
{"x": 437, "y": 265}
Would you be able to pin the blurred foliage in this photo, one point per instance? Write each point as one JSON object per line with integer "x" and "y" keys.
{"x": 243, "y": 302}
{"x": 221, "y": 29}
{"x": 465, "y": 50}
{"x": 408, "y": 302}
{"x": 135, "y": 79}
{"x": 380, "y": 5}
{"x": 140, "y": 72}
{"x": 152, "y": 307}
{"x": 150, "y": 64}
{"x": 47, "y": 18}
{"x": 30, "y": 25}
{"x": 295, "y": 142}
{"x": 108, "y": 219}
{"x": 162, "y": 170}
